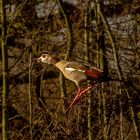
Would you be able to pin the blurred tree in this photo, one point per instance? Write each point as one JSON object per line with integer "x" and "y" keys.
{"x": 5, "y": 74}
{"x": 107, "y": 30}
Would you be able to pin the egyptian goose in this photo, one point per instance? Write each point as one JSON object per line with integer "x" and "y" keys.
{"x": 76, "y": 72}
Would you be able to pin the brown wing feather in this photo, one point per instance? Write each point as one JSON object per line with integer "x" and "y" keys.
{"x": 95, "y": 74}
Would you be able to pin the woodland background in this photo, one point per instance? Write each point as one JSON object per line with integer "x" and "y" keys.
{"x": 34, "y": 98}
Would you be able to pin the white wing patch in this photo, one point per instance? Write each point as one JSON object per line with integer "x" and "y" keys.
{"x": 72, "y": 69}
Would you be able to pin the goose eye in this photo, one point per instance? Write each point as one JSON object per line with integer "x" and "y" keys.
{"x": 43, "y": 55}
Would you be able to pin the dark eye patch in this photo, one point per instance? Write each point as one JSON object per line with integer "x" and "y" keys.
{"x": 43, "y": 55}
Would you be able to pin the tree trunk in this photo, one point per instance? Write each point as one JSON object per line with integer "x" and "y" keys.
{"x": 5, "y": 73}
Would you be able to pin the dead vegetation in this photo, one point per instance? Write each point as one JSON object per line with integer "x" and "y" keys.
{"x": 114, "y": 106}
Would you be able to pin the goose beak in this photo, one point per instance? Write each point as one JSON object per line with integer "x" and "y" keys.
{"x": 39, "y": 59}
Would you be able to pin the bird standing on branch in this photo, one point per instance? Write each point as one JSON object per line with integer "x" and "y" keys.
{"x": 76, "y": 72}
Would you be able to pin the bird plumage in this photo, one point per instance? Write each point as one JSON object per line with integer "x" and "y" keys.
{"x": 75, "y": 72}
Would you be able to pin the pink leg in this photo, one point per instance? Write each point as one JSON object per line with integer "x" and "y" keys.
{"x": 85, "y": 91}
{"x": 79, "y": 94}
{"x": 74, "y": 100}
{"x": 94, "y": 85}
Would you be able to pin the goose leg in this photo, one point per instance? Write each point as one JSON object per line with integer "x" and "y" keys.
{"x": 79, "y": 94}
{"x": 90, "y": 87}
{"x": 85, "y": 91}
{"x": 75, "y": 99}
